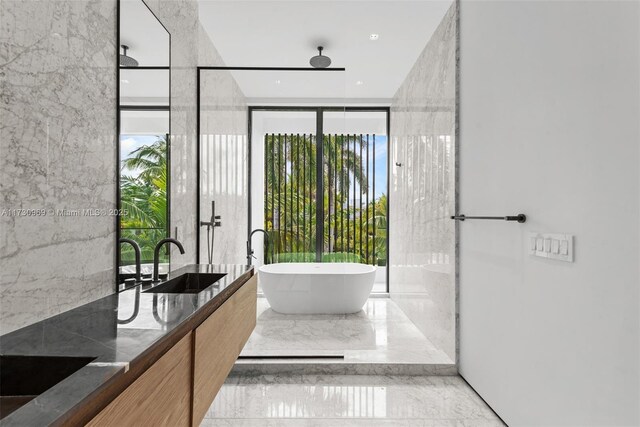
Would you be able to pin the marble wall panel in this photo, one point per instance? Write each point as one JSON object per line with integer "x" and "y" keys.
{"x": 58, "y": 148}
{"x": 57, "y": 154}
{"x": 422, "y": 194}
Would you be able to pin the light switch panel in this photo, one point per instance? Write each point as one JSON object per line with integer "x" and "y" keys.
{"x": 551, "y": 245}
{"x": 564, "y": 247}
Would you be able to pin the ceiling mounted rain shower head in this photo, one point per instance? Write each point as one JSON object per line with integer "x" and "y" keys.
{"x": 320, "y": 61}
{"x": 125, "y": 60}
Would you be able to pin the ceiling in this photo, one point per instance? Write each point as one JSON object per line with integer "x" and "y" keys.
{"x": 147, "y": 39}
{"x": 146, "y": 87}
{"x": 269, "y": 33}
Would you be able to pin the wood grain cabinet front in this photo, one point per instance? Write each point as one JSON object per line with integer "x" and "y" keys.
{"x": 178, "y": 389}
{"x": 218, "y": 342}
{"x": 161, "y": 396}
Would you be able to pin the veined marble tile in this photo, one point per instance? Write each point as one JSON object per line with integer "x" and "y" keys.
{"x": 348, "y": 400}
{"x": 57, "y": 145}
{"x": 380, "y": 339}
{"x": 338, "y": 422}
{"x": 252, "y": 367}
{"x": 422, "y": 194}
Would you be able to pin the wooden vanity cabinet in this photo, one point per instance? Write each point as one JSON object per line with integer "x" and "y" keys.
{"x": 161, "y": 396}
{"x": 218, "y": 342}
{"x": 178, "y": 389}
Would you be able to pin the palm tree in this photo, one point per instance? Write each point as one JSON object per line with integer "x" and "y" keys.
{"x": 342, "y": 163}
{"x": 290, "y": 186}
{"x": 377, "y": 229}
{"x": 151, "y": 160}
{"x": 143, "y": 197}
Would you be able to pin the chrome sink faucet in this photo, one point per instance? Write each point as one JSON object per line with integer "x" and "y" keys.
{"x": 156, "y": 254}
{"x": 136, "y": 250}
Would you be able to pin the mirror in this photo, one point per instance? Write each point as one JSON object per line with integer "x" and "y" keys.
{"x": 144, "y": 128}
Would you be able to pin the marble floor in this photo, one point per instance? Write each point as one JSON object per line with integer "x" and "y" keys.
{"x": 380, "y": 339}
{"x": 348, "y": 400}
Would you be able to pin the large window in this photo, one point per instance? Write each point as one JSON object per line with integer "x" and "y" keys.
{"x": 332, "y": 210}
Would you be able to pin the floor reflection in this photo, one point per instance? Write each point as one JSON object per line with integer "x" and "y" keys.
{"x": 249, "y": 400}
{"x": 379, "y": 333}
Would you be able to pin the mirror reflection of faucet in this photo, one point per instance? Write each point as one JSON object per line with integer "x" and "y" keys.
{"x": 147, "y": 279}
{"x": 128, "y": 282}
{"x": 213, "y": 222}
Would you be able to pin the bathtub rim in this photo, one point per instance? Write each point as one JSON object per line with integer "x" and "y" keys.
{"x": 367, "y": 268}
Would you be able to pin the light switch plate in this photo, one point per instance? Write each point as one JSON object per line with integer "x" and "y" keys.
{"x": 551, "y": 245}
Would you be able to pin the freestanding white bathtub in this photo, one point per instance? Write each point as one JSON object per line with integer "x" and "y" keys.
{"x": 316, "y": 288}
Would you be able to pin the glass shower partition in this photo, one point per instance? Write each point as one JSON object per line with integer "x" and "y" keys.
{"x": 235, "y": 173}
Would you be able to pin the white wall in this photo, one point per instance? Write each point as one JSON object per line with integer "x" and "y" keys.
{"x": 549, "y": 127}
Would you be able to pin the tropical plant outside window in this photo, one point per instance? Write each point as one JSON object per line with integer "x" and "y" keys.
{"x": 143, "y": 194}
{"x": 355, "y": 216}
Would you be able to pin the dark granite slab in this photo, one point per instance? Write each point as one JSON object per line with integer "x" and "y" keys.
{"x": 118, "y": 331}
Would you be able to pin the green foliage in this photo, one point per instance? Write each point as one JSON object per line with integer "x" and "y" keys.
{"x": 311, "y": 257}
{"x": 144, "y": 200}
{"x": 290, "y": 201}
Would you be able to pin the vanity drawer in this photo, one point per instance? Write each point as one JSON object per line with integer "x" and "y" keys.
{"x": 218, "y": 342}
{"x": 161, "y": 396}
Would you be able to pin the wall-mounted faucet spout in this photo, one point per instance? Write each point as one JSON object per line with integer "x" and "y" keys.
{"x": 249, "y": 248}
{"x": 156, "y": 254}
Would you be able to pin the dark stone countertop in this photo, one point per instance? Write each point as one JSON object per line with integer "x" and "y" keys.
{"x": 118, "y": 331}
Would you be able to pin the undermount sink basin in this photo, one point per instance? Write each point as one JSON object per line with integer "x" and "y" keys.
{"x": 190, "y": 283}
{"x": 23, "y": 378}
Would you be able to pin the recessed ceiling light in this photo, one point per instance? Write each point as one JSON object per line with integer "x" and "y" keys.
{"x": 277, "y": 82}
{"x": 374, "y": 36}
{"x": 359, "y": 83}
{"x": 124, "y": 81}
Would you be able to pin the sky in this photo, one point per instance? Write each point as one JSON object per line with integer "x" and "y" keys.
{"x": 381, "y": 169}
{"x": 130, "y": 143}
{"x": 381, "y": 165}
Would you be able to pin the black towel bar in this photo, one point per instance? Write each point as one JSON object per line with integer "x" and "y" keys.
{"x": 519, "y": 218}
